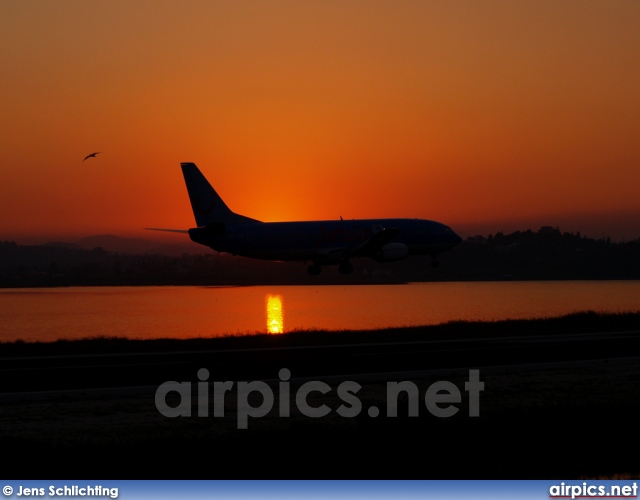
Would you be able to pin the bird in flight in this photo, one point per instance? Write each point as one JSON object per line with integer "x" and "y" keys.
{"x": 92, "y": 155}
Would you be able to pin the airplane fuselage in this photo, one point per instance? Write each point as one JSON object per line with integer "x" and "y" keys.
{"x": 325, "y": 241}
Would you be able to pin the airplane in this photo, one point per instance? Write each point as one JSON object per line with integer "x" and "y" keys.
{"x": 320, "y": 243}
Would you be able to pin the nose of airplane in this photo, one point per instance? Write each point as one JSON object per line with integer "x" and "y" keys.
{"x": 456, "y": 238}
{"x": 452, "y": 237}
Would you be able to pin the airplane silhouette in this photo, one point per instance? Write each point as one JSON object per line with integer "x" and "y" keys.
{"x": 329, "y": 242}
{"x": 92, "y": 155}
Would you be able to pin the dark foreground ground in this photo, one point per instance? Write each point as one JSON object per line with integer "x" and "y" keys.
{"x": 570, "y": 411}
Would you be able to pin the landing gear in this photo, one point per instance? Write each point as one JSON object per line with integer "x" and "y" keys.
{"x": 314, "y": 269}
{"x": 345, "y": 268}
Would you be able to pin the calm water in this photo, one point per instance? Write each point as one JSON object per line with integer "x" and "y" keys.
{"x": 182, "y": 312}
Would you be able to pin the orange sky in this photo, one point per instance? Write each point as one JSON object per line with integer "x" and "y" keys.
{"x": 487, "y": 116}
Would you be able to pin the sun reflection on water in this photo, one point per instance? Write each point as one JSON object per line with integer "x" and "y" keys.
{"x": 275, "y": 314}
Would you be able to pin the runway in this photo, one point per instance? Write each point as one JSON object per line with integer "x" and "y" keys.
{"x": 331, "y": 359}
{"x": 552, "y": 405}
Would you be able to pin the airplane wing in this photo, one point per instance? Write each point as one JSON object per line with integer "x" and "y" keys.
{"x": 380, "y": 237}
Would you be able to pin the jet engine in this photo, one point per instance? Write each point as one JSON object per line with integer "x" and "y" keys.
{"x": 392, "y": 252}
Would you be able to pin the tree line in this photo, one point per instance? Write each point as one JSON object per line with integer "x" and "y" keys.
{"x": 546, "y": 254}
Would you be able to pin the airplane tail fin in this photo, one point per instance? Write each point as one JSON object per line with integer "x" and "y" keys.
{"x": 208, "y": 207}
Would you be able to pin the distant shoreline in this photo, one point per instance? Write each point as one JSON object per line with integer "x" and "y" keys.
{"x": 547, "y": 254}
{"x": 352, "y": 282}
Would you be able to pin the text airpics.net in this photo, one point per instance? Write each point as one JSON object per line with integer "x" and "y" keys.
{"x": 587, "y": 490}
{"x": 440, "y": 398}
